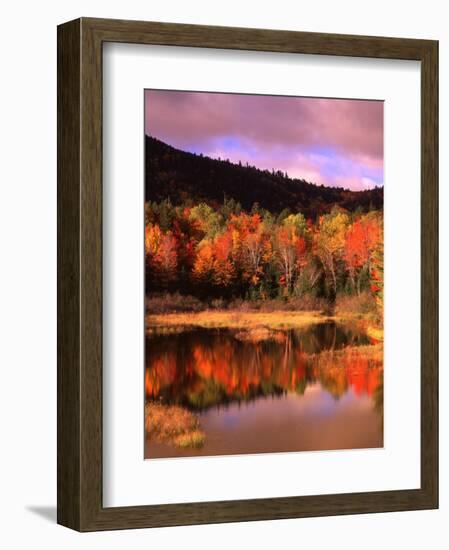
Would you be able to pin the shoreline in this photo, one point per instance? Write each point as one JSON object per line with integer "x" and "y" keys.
{"x": 276, "y": 320}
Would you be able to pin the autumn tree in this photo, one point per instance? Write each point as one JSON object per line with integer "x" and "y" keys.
{"x": 297, "y": 222}
{"x": 256, "y": 253}
{"x": 153, "y": 235}
{"x": 204, "y": 261}
{"x": 290, "y": 247}
{"x": 185, "y": 234}
{"x": 329, "y": 245}
{"x": 223, "y": 266}
{"x": 230, "y": 206}
{"x": 164, "y": 213}
{"x": 161, "y": 254}
{"x": 377, "y": 276}
{"x": 208, "y": 220}
{"x": 361, "y": 240}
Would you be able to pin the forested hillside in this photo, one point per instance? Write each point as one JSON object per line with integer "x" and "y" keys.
{"x": 186, "y": 178}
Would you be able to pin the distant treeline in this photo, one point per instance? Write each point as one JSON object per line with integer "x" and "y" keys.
{"x": 190, "y": 179}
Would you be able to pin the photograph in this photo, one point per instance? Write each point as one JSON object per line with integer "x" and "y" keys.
{"x": 247, "y": 262}
{"x": 263, "y": 274}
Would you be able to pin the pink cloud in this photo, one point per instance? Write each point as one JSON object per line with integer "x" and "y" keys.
{"x": 273, "y": 131}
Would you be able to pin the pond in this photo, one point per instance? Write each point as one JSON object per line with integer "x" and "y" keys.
{"x": 319, "y": 388}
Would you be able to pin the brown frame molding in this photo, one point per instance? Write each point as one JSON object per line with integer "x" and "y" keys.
{"x": 80, "y": 274}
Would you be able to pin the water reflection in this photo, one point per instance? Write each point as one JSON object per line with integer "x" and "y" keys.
{"x": 320, "y": 388}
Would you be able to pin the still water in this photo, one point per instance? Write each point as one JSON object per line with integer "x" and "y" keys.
{"x": 295, "y": 390}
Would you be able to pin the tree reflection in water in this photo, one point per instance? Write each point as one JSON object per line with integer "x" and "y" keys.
{"x": 203, "y": 367}
{"x": 207, "y": 370}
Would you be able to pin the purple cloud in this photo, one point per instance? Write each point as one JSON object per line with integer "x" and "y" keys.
{"x": 334, "y": 142}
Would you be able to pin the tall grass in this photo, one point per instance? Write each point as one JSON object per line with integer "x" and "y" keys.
{"x": 364, "y": 304}
{"x": 157, "y": 304}
{"x": 173, "y": 425}
{"x": 173, "y": 303}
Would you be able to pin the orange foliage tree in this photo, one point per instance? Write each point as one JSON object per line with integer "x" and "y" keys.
{"x": 362, "y": 238}
{"x": 160, "y": 249}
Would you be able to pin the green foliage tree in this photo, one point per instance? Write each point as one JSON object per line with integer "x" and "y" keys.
{"x": 209, "y": 220}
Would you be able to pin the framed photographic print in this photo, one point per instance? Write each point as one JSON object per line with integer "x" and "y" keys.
{"x": 247, "y": 274}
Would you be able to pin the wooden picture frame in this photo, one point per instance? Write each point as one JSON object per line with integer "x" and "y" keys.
{"x": 80, "y": 351}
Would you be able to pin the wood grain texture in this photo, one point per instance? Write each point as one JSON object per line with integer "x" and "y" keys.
{"x": 429, "y": 271}
{"x": 80, "y": 274}
{"x": 68, "y": 384}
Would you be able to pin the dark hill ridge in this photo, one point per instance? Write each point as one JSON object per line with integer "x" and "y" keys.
{"x": 181, "y": 176}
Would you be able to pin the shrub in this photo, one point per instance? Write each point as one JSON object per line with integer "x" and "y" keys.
{"x": 360, "y": 304}
{"x": 173, "y": 425}
{"x": 173, "y": 303}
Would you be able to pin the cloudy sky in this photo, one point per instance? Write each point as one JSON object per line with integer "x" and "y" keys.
{"x": 333, "y": 142}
